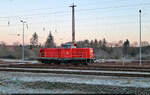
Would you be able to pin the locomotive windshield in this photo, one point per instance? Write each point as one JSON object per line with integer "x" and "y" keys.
{"x": 68, "y": 46}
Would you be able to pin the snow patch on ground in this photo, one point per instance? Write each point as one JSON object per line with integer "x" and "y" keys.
{"x": 79, "y": 79}
{"x": 18, "y": 61}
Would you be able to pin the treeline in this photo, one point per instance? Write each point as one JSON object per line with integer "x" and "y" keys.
{"x": 102, "y": 48}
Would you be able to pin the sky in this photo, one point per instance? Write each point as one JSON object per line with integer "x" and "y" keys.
{"x": 113, "y": 20}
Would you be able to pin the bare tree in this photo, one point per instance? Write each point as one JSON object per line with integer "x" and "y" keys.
{"x": 34, "y": 40}
{"x": 145, "y": 43}
{"x": 2, "y": 44}
{"x": 104, "y": 43}
{"x": 126, "y": 45}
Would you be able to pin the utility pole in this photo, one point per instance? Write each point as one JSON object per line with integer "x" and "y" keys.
{"x": 73, "y": 24}
{"x": 140, "y": 36}
{"x": 23, "y": 22}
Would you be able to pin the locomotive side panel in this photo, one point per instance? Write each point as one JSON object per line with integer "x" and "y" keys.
{"x": 82, "y": 53}
{"x": 52, "y": 53}
{"x": 66, "y": 53}
{"x": 49, "y": 53}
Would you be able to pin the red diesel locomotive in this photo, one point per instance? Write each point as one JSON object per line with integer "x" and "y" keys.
{"x": 68, "y": 53}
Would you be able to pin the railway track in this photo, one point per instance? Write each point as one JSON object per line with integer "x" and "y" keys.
{"x": 80, "y": 67}
{"x": 10, "y": 66}
{"x": 78, "y": 72}
{"x": 85, "y": 68}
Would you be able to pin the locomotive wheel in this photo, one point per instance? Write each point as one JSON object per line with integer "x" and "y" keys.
{"x": 46, "y": 62}
{"x": 85, "y": 63}
{"x": 58, "y": 63}
{"x": 75, "y": 64}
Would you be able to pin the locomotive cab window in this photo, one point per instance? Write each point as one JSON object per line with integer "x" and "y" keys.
{"x": 68, "y": 46}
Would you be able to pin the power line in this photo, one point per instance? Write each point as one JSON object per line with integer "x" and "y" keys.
{"x": 66, "y": 20}
{"x": 20, "y": 16}
{"x": 121, "y": 6}
{"x": 80, "y": 10}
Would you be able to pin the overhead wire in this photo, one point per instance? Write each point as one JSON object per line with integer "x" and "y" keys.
{"x": 79, "y": 10}
{"x": 121, "y": 6}
{"x": 62, "y": 12}
{"x": 68, "y": 20}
